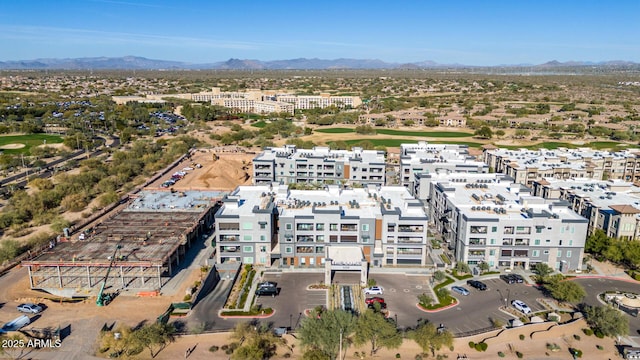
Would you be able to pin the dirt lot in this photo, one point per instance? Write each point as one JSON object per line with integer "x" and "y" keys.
{"x": 223, "y": 168}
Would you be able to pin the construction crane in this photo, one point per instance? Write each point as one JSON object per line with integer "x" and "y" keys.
{"x": 104, "y": 299}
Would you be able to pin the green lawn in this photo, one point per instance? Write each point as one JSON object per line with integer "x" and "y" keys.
{"x": 28, "y": 141}
{"x": 397, "y": 142}
{"x": 435, "y": 134}
{"x": 335, "y": 130}
{"x": 552, "y": 145}
{"x": 259, "y": 124}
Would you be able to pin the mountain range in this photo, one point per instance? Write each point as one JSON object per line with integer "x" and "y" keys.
{"x": 141, "y": 63}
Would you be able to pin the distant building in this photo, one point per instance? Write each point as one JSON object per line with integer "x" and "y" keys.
{"x": 320, "y": 165}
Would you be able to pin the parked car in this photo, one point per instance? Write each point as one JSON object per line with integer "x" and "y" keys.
{"x": 520, "y": 305}
{"x": 267, "y": 284}
{"x": 374, "y": 290}
{"x": 508, "y": 278}
{"x": 519, "y": 279}
{"x": 30, "y": 308}
{"x": 460, "y": 290}
{"x": 267, "y": 291}
{"x": 374, "y": 300}
{"x": 477, "y": 284}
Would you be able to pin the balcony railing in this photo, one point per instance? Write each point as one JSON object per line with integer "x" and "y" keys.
{"x": 229, "y": 237}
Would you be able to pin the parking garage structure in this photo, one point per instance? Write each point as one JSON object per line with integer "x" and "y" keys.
{"x": 140, "y": 247}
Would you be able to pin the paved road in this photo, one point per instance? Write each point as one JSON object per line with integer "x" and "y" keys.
{"x": 595, "y": 286}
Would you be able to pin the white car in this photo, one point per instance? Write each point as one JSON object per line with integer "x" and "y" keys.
{"x": 29, "y": 308}
{"x": 374, "y": 290}
{"x": 521, "y": 306}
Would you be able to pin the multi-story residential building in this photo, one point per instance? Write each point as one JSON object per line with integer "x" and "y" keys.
{"x": 425, "y": 158}
{"x": 610, "y": 205}
{"x": 526, "y": 166}
{"x": 384, "y": 225}
{"x": 246, "y": 226}
{"x": 320, "y": 165}
{"x": 319, "y": 101}
{"x": 488, "y": 218}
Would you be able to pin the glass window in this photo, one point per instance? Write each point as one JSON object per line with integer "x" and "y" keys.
{"x": 559, "y": 253}
{"x": 319, "y": 226}
{"x": 248, "y": 260}
{"x": 288, "y": 226}
{"x": 492, "y": 252}
{"x": 303, "y": 261}
{"x": 247, "y": 238}
{"x": 570, "y": 242}
{"x": 492, "y": 242}
{"x": 263, "y": 226}
{"x": 247, "y": 226}
{"x": 536, "y": 242}
{"x": 538, "y": 230}
{"x": 365, "y": 227}
{"x": 288, "y": 249}
{"x": 333, "y": 227}
{"x": 320, "y": 238}
{"x": 494, "y": 229}
{"x": 546, "y": 252}
{"x": 263, "y": 238}
{"x": 535, "y": 253}
{"x": 568, "y": 253}
{"x": 247, "y": 248}
{"x": 263, "y": 249}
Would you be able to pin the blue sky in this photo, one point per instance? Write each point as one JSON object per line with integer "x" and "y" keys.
{"x": 473, "y": 32}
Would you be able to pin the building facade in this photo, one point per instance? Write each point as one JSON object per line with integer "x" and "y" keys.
{"x": 320, "y": 165}
{"x": 488, "y": 218}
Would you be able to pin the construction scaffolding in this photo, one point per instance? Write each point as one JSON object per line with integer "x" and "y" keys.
{"x": 150, "y": 245}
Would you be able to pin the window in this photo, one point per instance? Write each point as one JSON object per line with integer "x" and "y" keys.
{"x": 568, "y": 253}
{"x": 247, "y": 238}
{"x": 494, "y": 229}
{"x": 535, "y": 253}
{"x": 536, "y": 242}
{"x": 288, "y": 249}
{"x": 546, "y": 252}
{"x": 478, "y": 229}
{"x": 570, "y": 242}
{"x": 288, "y": 226}
{"x": 263, "y": 226}
{"x": 492, "y": 252}
{"x": 559, "y": 253}
{"x": 247, "y": 248}
{"x": 263, "y": 249}
{"x": 320, "y": 226}
{"x": 562, "y": 229}
{"x": 333, "y": 227}
{"x": 539, "y": 230}
{"x": 304, "y": 227}
{"x": 493, "y": 241}
{"x": 365, "y": 227}
{"x": 248, "y": 260}
{"x": 303, "y": 261}
{"x": 263, "y": 238}
{"x": 522, "y": 230}
{"x": 320, "y": 238}
{"x": 508, "y": 229}
{"x": 247, "y": 226}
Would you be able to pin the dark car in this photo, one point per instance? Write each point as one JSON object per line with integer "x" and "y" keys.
{"x": 267, "y": 291}
{"x": 519, "y": 279}
{"x": 477, "y": 284}
{"x": 508, "y": 278}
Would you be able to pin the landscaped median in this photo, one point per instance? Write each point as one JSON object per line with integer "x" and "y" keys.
{"x": 255, "y": 312}
{"x": 445, "y": 300}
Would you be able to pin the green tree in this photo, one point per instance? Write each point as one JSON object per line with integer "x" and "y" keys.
{"x": 484, "y": 132}
{"x": 154, "y": 337}
{"x": 607, "y": 320}
{"x": 429, "y": 338}
{"x": 500, "y": 133}
{"x": 597, "y": 243}
{"x": 567, "y": 291}
{"x": 463, "y": 267}
{"x": 543, "y": 270}
{"x": 372, "y": 327}
{"x": 484, "y": 266}
{"x": 258, "y": 342}
{"x": 325, "y": 332}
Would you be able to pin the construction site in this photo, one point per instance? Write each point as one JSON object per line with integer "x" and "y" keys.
{"x": 138, "y": 248}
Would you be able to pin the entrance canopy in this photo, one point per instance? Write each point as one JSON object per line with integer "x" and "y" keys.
{"x": 345, "y": 258}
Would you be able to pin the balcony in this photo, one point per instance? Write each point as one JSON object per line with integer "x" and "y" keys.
{"x": 305, "y": 249}
{"x": 304, "y": 238}
{"x": 410, "y": 228}
{"x": 409, "y": 251}
{"x": 410, "y": 240}
{"x": 522, "y": 242}
{"x": 224, "y": 238}
{"x": 349, "y": 227}
{"x": 228, "y": 226}
{"x": 230, "y": 248}
{"x": 304, "y": 227}
{"x": 476, "y": 253}
{"x": 476, "y": 241}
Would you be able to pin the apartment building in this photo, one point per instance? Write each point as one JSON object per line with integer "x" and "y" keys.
{"x": 323, "y": 100}
{"x": 246, "y": 225}
{"x": 610, "y": 205}
{"x": 320, "y": 165}
{"x": 489, "y": 218}
{"x": 526, "y": 166}
{"x": 385, "y": 225}
{"x": 425, "y": 158}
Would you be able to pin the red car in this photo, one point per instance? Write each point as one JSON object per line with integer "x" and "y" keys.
{"x": 372, "y": 300}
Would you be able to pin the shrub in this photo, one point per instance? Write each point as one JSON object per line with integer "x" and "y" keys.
{"x": 519, "y": 355}
{"x": 286, "y": 355}
{"x": 214, "y": 348}
{"x": 187, "y": 297}
{"x": 521, "y": 336}
{"x": 576, "y": 352}
{"x": 599, "y": 334}
{"x": 500, "y": 354}
{"x": 397, "y": 355}
{"x": 553, "y": 346}
{"x": 472, "y": 344}
{"x": 576, "y": 336}
{"x": 481, "y": 346}
{"x": 587, "y": 331}
{"x": 599, "y": 347}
